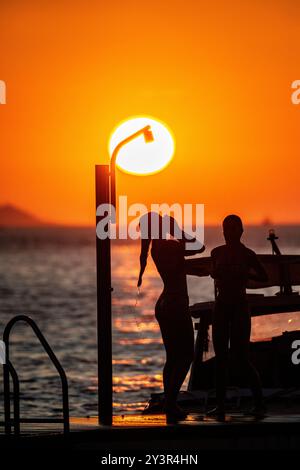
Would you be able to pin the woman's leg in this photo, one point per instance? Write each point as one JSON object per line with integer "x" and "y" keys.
{"x": 176, "y": 371}
{"x": 162, "y": 317}
{"x": 167, "y": 379}
{"x": 178, "y": 336}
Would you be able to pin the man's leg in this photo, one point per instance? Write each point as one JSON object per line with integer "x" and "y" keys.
{"x": 239, "y": 346}
{"x": 220, "y": 333}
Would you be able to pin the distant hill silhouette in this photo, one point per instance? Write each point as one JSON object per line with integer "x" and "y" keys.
{"x": 12, "y": 216}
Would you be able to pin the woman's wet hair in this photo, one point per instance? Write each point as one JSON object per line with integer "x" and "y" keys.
{"x": 151, "y": 226}
{"x": 155, "y": 227}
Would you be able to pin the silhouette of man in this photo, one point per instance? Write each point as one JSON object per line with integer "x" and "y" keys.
{"x": 232, "y": 265}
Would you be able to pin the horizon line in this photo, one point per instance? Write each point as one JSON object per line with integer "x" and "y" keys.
{"x": 85, "y": 225}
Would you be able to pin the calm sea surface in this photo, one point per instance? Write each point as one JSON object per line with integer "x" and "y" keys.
{"x": 49, "y": 274}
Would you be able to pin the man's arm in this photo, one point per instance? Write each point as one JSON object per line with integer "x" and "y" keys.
{"x": 194, "y": 252}
{"x": 213, "y": 272}
{"x": 259, "y": 273}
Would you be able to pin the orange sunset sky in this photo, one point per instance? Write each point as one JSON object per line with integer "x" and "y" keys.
{"x": 219, "y": 73}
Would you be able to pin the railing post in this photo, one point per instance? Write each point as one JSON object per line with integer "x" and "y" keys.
{"x": 16, "y": 399}
{"x": 6, "y": 389}
{"x": 104, "y": 327}
{"x": 65, "y": 395}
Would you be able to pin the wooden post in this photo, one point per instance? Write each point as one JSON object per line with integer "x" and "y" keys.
{"x": 104, "y": 321}
{"x": 195, "y": 382}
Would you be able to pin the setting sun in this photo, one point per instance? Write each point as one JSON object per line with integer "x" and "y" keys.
{"x": 138, "y": 157}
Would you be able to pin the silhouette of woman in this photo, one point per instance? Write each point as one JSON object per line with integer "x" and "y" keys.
{"x": 172, "y": 307}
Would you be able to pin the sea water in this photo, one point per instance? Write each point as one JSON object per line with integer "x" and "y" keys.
{"x": 49, "y": 274}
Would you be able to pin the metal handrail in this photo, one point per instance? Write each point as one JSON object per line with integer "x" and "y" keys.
{"x": 8, "y": 369}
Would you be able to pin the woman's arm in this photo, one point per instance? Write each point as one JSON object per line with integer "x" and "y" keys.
{"x": 184, "y": 237}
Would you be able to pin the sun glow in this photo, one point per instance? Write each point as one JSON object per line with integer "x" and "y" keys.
{"x": 139, "y": 157}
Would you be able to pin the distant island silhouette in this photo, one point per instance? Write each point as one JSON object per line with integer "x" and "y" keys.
{"x": 12, "y": 216}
